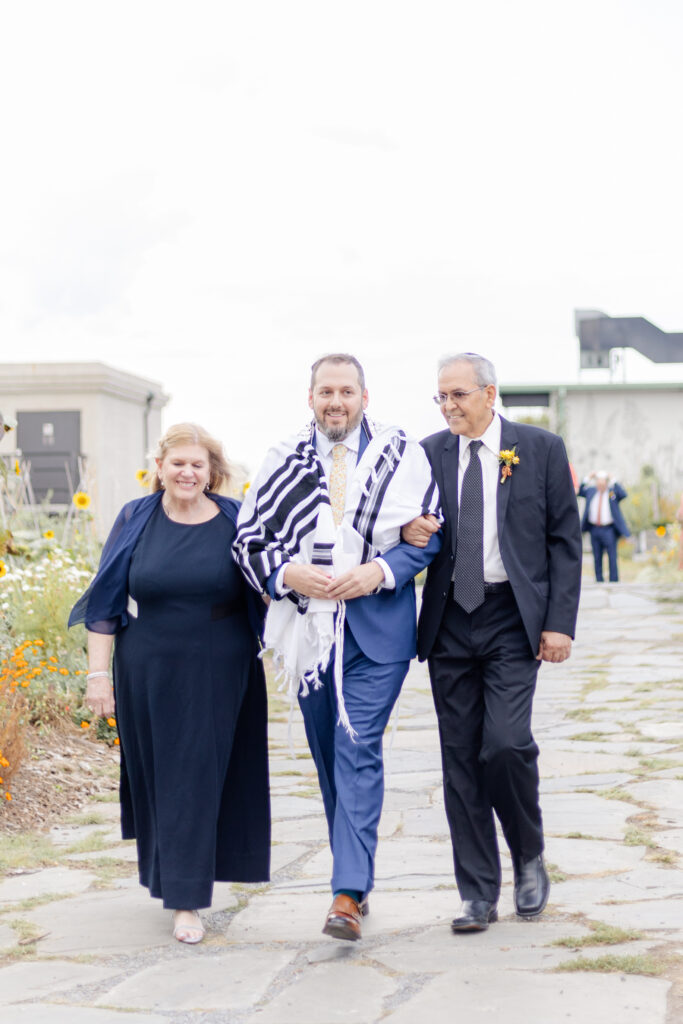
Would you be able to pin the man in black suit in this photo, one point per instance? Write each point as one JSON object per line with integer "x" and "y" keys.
{"x": 500, "y": 597}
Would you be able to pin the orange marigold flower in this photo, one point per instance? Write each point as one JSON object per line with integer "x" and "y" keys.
{"x": 85, "y": 725}
{"x": 53, "y": 659}
{"x": 4, "y": 762}
{"x": 39, "y": 643}
{"x": 117, "y": 742}
{"x": 8, "y": 796}
{"x": 63, "y": 671}
{"x": 111, "y": 722}
{"x": 51, "y": 668}
{"x": 661, "y": 531}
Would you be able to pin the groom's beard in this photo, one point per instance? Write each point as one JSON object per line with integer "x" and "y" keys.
{"x": 340, "y": 433}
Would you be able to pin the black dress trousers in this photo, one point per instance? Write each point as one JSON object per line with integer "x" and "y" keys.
{"x": 483, "y": 674}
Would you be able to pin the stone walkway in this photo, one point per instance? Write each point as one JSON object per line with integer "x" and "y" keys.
{"x": 85, "y": 944}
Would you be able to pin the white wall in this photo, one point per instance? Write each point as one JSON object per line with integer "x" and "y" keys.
{"x": 112, "y": 406}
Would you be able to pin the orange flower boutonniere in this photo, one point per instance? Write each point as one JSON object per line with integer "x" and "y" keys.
{"x": 507, "y": 458}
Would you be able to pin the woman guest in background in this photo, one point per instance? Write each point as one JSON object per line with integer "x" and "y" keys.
{"x": 189, "y": 687}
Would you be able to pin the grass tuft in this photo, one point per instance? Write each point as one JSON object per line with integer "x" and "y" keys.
{"x": 611, "y": 964}
{"x": 601, "y": 935}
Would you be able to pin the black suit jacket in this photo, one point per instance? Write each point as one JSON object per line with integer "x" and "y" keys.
{"x": 539, "y": 533}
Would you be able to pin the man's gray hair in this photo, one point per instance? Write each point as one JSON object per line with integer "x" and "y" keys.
{"x": 484, "y": 370}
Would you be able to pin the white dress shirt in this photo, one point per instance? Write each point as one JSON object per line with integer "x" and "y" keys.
{"x": 494, "y": 570}
{"x": 600, "y": 500}
{"x": 323, "y": 447}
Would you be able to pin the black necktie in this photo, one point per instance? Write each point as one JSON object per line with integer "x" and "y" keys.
{"x": 468, "y": 574}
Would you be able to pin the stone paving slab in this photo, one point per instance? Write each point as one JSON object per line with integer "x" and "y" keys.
{"x": 22, "y": 981}
{"x": 587, "y": 856}
{"x": 8, "y": 937}
{"x": 331, "y": 992}
{"x": 515, "y": 997}
{"x": 46, "y": 1014}
{"x": 591, "y": 815}
{"x": 126, "y": 851}
{"x": 42, "y": 883}
{"x": 231, "y": 982}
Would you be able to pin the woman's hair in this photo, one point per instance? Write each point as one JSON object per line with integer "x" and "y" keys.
{"x": 191, "y": 433}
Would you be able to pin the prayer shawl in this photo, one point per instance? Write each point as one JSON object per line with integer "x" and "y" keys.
{"x": 286, "y": 516}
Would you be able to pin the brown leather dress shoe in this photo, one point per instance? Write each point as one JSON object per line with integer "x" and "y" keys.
{"x": 343, "y": 919}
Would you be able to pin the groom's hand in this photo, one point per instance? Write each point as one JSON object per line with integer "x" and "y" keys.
{"x": 554, "y": 646}
{"x": 308, "y": 580}
{"x": 418, "y": 531}
{"x": 358, "y": 582}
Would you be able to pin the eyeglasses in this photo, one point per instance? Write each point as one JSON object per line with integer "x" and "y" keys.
{"x": 455, "y": 396}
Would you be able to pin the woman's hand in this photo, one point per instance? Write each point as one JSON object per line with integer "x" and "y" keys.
{"x": 99, "y": 696}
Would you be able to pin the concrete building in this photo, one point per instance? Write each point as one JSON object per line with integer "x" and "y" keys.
{"x": 81, "y": 425}
{"x": 618, "y": 427}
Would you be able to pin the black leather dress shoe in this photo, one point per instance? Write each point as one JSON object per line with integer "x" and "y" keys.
{"x": 532, "y": 886}
{"x": 476, "y": 916}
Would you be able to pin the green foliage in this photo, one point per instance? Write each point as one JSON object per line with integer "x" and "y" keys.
{"x": 611, "y": 964}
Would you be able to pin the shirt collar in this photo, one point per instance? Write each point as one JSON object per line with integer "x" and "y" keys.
{"x": 490, "y": 438}
{"x": 324, "y": 446}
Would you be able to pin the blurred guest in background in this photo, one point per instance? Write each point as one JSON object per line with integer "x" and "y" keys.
{"x": 603, "y": 519}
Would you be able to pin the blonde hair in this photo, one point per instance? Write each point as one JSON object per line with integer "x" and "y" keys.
{"x": 191, "y": 433}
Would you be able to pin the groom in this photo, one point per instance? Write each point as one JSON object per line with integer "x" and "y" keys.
{"x": 500, "y": 597}
{"x": 319, "y": 532}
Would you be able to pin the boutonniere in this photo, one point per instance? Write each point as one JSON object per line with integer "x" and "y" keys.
{"x": 507, "y": 458}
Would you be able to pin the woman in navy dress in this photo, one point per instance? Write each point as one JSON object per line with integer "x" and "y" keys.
{"x": 189, "y": 689}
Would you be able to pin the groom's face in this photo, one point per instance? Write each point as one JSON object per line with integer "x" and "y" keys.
{"x": 337, "y": 400}
{"x": 467, "y": 408}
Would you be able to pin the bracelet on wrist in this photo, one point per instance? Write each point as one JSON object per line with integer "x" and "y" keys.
{"x": 96, "y": 675}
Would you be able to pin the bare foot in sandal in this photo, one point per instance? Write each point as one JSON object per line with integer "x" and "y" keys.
{"x": 187, "y": 926}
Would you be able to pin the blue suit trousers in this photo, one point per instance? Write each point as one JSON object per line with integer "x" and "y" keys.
{"x": 351, "y": 772}
{"x": 604, "y": 539}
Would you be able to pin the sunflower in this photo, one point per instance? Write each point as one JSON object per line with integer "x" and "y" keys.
{"x": 81, "y": 500}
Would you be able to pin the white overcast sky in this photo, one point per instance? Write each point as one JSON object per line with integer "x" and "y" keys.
{"x": 212, "y": 194}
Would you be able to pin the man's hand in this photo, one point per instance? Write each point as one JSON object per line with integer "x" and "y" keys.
{"x": 357, "y": 583}
{"x": 418, "y": 531}
{"x": 308, "y": 580}
{"x": 554, "y": 647}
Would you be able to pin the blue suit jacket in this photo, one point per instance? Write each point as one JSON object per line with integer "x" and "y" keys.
{"x": 538, "y": 533}
{"x": 616, "y": 494}
{"x": 384, "y": 625}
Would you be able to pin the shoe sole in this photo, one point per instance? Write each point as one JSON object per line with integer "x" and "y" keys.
{"x": 493, "y": 917}
{"x": 337, "y": 928}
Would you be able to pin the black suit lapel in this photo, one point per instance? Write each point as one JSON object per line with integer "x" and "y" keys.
{"x": 508, "y": 439}
{"x": 450, "y": 458}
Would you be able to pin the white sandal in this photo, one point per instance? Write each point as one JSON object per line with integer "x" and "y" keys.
{"x": 189, "y": 933}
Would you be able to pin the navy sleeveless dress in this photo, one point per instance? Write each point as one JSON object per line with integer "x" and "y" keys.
{"x": 190, "y": 705}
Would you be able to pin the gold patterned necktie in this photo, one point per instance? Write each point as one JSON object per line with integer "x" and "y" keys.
{"x": 338, "y": 482}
